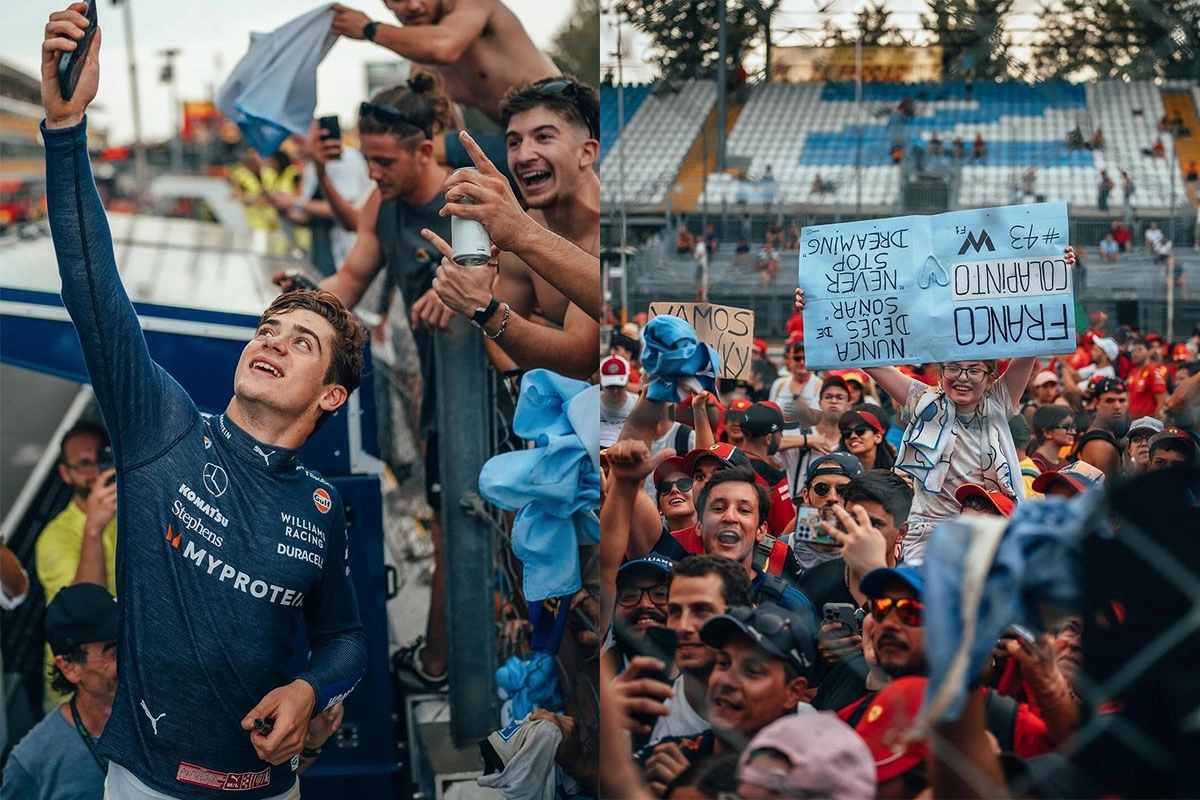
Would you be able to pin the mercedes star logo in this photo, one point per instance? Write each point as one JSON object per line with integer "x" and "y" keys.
{"x": 215, "y": 479}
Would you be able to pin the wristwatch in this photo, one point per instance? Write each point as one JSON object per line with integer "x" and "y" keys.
{"x": 482, "y": 315}
{"x": 369, "y": 31}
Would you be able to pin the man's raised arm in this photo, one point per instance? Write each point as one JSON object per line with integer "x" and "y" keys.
{"x": 440, "y": 43}
{"x": 132, "y": 390}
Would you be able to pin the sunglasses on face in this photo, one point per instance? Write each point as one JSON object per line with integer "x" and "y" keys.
{"x": 665, "y": 487}
{"x": 857, "y": 430}
{"x": 823, "y": 489}
{"x": 1069, "y": 428}
{"x": 561, "y": 86}
{"x": 910, "y": 610}
{"x": 632, "y": 595}
{"x": 391, "y": 116}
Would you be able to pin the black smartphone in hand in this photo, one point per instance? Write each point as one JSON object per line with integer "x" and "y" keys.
{"x": 70, "y": 66}
{"x": 330, "y": 127}
{"x": 104, "y": 461}
{"x": 659, "y": 643}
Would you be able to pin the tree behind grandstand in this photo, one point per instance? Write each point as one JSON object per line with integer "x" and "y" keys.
{"x": 1136, "y": 40}
{"x": 576, "y": 46}
{"x": 684, "y": 33}
{"x": 973, "y": 38}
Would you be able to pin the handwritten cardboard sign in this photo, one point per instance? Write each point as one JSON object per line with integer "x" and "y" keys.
{"x": 984, "y": 283}
{"x": 729, "y": 330}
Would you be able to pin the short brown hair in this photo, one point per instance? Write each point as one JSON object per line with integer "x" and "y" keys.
{"x": 575, "y": 102}
{"x": 349, "y": 335}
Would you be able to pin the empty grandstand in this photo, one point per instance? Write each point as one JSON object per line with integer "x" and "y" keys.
{"x": 805, "y": 132}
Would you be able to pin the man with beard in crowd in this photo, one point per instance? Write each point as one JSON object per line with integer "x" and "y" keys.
{"x": 1099, "y": 444}
{"x": 80, "y": 544}
{"x": 700, "y": 587}
{"x": 641, "y": 604}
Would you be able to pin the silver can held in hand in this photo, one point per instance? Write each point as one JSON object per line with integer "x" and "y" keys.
{"x": 470, "y": 240}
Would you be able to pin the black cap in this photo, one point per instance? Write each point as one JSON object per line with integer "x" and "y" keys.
{"x": 766, "y": 417}
{"x": 80, "y": 614}
{"x": 790, "y": 638}
{"x": 833, "y": 464}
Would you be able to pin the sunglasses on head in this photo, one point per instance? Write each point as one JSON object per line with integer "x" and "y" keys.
{"x": 632, "y": 595}
{"x": 857, "y": 430}
{"x": 665, "y": 487}
{"x": 910, "y": 610}
{"x": 391, "y": 116}
{"x": 765, "y": 622}
{"x": 549, "y": 87}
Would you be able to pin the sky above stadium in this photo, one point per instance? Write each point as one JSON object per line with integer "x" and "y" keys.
{"x": 794, "y": 25}
{"x": 212, "y": 36}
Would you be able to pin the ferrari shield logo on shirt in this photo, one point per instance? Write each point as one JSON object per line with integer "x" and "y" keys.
{"x": 215, "y": 479}
{"x": 322, "y": 501}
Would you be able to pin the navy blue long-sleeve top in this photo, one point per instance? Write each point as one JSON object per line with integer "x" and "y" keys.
{"x": 224, "y": 544}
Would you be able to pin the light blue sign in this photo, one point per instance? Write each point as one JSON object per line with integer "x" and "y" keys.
{"x": 984, "y": 283}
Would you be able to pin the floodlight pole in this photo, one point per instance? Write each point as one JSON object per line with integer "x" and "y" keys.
{"x": 620, "y": 144}
{"x": 858, "y": 92}
{"x": 722, "y": 83}
{"x": 140, "y": 170}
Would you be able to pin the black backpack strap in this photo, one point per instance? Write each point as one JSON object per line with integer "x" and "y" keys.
{"x": 762, "y": 553}
{"x": 771, "y": 589}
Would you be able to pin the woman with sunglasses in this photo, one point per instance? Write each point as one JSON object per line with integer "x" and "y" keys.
{"x": 862, "y": 431}
{"x": 1053, "y": 429}
{"x": 673, "y": 492}
{"x": 958, "y": 433}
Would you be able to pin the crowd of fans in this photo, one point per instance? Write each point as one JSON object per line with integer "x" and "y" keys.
{"x": 764, "y": 571}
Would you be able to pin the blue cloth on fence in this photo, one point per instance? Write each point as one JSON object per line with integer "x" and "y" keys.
{"x": 971, "y": 596}
{"x": 527, "y": 684}
{"x": 671, "y": 353}
{"x": 272, "y": 91}
{"x": 555, "y": 485}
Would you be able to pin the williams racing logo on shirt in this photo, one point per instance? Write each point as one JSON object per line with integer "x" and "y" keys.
{"x": 322, "y": 501}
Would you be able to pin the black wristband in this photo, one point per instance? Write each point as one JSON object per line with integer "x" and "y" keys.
{"x": 306, "y": 753}
{"x": 368, "y": 31}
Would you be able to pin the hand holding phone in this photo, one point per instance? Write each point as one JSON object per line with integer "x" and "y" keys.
{"x": 330, "y": 127}
{"x": 810, "y": 521}
{"x": 658, "y": 643}
{"x": 70, "y": 66}
{"x": 104, "y": 462}
{"x": 845, "y": 614}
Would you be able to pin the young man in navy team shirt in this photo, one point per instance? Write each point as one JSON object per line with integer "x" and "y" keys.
{"x": 226, "y": 541}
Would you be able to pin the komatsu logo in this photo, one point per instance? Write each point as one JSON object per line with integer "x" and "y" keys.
{"x": 199, "y": 502}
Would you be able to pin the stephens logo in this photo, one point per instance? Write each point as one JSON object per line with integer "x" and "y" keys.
{"x": 215, "y": 479}
{"x": 322, "y": 501}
